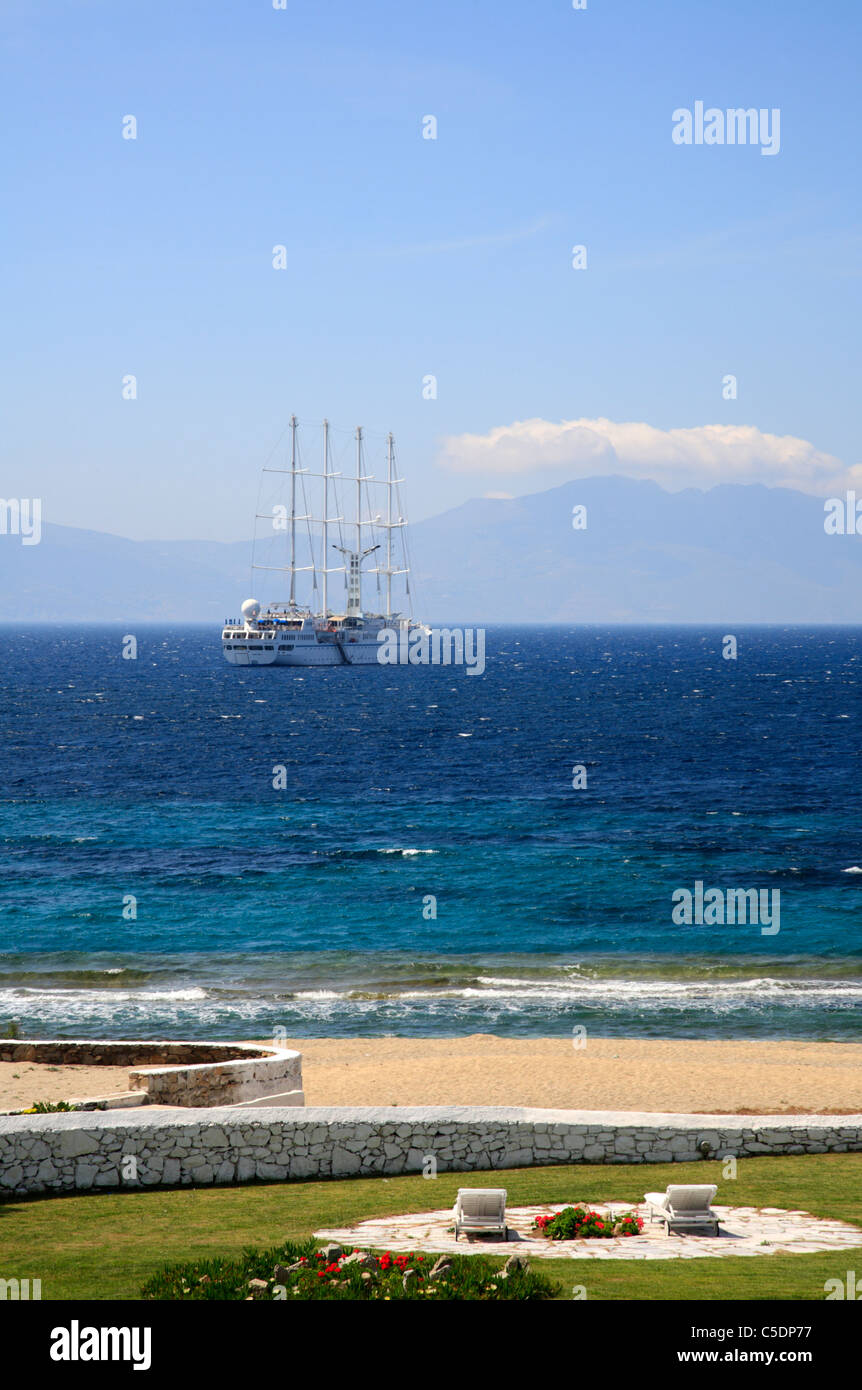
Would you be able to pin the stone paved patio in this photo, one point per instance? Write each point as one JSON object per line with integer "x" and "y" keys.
{"x": 744, "y": 1231}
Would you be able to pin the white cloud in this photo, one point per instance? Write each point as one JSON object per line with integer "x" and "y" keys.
{"x": 700, "y": 457}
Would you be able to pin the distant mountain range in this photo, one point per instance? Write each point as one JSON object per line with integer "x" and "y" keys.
{"x": 743, "y": 554}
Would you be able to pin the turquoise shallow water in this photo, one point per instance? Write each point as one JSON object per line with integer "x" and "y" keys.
{"x": 308, "y": 908}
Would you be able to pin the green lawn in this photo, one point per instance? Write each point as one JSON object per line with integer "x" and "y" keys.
{"x": 105, "y": 1245}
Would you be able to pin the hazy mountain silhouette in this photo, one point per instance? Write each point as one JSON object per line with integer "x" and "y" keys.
{"x": 731, "y": 554}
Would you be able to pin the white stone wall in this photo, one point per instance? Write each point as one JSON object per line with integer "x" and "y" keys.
{"x": 65, "y": 1152}
{"x": 221, "y": 1083}
{"x": 178, "y": 1073}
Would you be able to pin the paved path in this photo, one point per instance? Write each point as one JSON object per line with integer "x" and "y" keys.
{"x": 744, "y": 1231}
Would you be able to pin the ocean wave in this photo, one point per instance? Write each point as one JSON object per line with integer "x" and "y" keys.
{"x": 12, "y": 998}
{"x": 407, "y": 852}
{"x": 767, "y": 1008}
{"x": 304, "y": 994}
{"x": 521, "y": 995}
{"x": 810, "y": 992}
{"x": 113, "y": 978}
{"x": 351, "y": 992}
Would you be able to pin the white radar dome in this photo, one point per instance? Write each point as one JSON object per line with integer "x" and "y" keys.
{"x": 250, "y": 609}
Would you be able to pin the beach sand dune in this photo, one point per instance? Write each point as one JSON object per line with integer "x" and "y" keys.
{"x": 733, "y": 1077}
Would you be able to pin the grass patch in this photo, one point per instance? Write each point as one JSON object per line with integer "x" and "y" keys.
{"x": 107, "y": 1245}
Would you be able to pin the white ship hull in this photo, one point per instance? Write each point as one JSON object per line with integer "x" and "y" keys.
{"x": 253, "y": 644}
{"x": 247, "y": 655}
{"x": 361, "y": 653}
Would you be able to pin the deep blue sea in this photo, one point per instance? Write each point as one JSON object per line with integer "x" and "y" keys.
{"x": 308, "y": 908}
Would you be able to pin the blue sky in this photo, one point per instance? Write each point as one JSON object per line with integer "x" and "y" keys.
{"x": 408, "y": 257}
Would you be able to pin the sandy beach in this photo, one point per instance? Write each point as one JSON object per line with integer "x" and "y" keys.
{"x": 23, "y": 1083}
{"x": 608, "y": 1074}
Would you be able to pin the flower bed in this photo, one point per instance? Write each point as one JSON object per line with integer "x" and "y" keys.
{"x": 581, "y": 1223}
{"x": 295, "y": 1272}
{"x": 44, "y": 1107}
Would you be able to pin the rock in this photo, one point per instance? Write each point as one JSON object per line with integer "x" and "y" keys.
{"x": 441, "y": 1267}
{"x": 331, "y": 1253}
{"x": 409, "y": 1279}
{"x": 515, "y": 1263}
{"x": 363, "y": 1258}
{"x": 281, "y": 1272}
{"x": 256, "y": 1284}
{"x": 366, "y": 1277}
{"x": 73, "y": 1143}
{"x": 344, "y": 1162}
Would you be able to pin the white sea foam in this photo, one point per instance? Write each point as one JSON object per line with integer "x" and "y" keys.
{"x": 14, "y": 998}
{"x": 405, "y": 853}
{"x": 480, "y": 1003}
{"x": 718, "y": 996}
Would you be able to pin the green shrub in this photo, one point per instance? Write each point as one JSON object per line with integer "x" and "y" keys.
{"x": 45, "y": 1107}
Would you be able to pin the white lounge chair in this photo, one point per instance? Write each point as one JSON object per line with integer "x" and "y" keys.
{"x": 481, "y": 1209}
{"x": 683, "y": 1207}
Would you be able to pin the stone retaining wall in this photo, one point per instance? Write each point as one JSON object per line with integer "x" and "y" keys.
{"x": 179, "y": 1073}
{"x": 65, "y": 1152}
{"x": 88, "y": 1053}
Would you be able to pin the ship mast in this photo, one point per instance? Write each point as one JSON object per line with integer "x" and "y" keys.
{"x": 294, "y": 472}
{"x": 390, "y": 525}
{"x": 293, "y": 511}
{"x": 358, "y": 489}
{"x": 325, "y": 515}
{"x": 354, "y": 558}
{"x": 389, "y": 528}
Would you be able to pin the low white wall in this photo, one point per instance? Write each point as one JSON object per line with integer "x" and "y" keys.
{"x": 177, "y": 1073}
{"x": 66, "y": 1152}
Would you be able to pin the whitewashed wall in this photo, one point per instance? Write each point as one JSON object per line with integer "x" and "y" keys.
{"x": 66, "y": 1152}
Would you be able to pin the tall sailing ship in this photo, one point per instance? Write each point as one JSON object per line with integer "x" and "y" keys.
{"x": 308, "y": 628}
